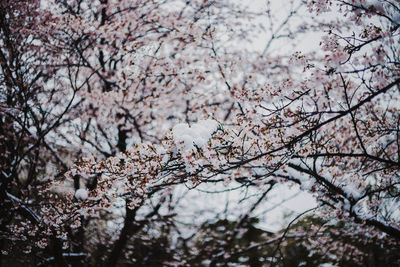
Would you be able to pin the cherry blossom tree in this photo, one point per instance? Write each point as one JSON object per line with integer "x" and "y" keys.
{"x": 110, "y": 108}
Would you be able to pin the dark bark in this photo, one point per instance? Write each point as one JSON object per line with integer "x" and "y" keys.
{"x": 126, "y": 231}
